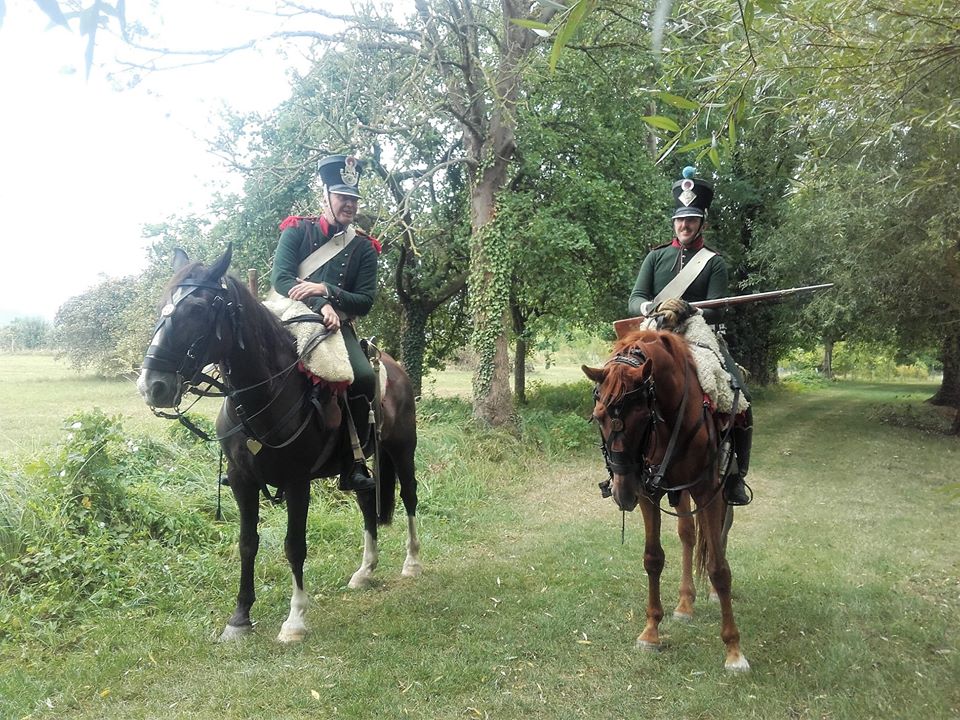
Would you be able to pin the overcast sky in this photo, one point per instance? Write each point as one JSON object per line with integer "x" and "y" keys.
{"x": 83, "y": 166}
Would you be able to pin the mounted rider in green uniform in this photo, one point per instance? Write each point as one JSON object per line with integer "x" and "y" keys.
{"x": 684, "y": 271}
{"x": 340, "y": 290}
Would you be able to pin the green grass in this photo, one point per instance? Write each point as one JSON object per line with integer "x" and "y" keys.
{"x": 845, "y": 579}
{"x": 38, "y": 391}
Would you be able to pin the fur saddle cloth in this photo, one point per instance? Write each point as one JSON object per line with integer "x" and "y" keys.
{"x": 705, "y": 348}
{"x": 327, "y": 359}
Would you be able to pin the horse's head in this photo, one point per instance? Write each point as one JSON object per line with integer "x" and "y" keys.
{"x": 190, "y": 331}
{"x": 624, "y": 410}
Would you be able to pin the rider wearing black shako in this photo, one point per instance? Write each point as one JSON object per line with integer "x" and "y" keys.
{"x": 341, "y": 289}
{"x": 684, "y": 271}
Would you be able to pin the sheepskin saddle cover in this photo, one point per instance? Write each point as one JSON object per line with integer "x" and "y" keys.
{"x": 705, "y": 348}
{"x": 327, "y": 359}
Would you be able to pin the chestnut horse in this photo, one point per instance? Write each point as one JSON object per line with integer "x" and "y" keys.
{"x": 659, "y": 437}
{"x": 273, "y": 429}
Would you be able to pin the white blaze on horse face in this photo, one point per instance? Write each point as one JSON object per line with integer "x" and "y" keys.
{"x": 143, "y": 380}
{"x": 158, "y": 389}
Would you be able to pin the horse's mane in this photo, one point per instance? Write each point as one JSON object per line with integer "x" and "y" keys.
{"x": 260, "y": 327}
{"x": 653, "y": 344}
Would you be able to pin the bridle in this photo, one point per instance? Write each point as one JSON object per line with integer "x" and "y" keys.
{"x": 188, "y": 368}
{"x": 623, "y": 461}
{"x": 636, "y": 459}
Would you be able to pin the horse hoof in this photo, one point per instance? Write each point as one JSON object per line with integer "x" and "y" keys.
{"x": 740, "y": 665}
{"x": 234, "y": 632}
{"x": 647, "y": 646}
{"x": 361, "y": 580}
{"x": 291, "y": 634}
{"x": 412, "y": 570}
{"x": 682, "y": 616}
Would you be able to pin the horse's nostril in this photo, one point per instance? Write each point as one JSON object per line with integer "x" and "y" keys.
{"x": 159, "y": 392}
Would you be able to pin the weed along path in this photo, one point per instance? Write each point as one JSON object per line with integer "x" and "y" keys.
{"x": 844, "y": 577}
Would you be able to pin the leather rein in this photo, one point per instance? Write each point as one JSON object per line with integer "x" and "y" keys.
{"x": 624, "y": 462}
{"x": 191, "y": 373}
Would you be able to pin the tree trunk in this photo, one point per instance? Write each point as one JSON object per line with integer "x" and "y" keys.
{"x": 827, "y": 366}
{"x": 949, "y": 392}
{"x": 490, "y": 271}
{"x": 520, "y": 371}
{"x": 413, "y": 342}
{"x": 492, "y": 399}
{"x": 491, "y": 145}
{"x": 489, "y": 291}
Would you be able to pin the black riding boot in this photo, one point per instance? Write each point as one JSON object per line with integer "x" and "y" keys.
{"x": 735, "y": 488}
{"x": 356, "y": 476}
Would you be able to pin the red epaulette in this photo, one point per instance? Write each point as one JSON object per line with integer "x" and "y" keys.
{"x": 373, "y": 241}
{"x": 294, "y": 221}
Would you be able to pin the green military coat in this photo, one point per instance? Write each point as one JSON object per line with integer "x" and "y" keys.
{"x": 351, "y": 275}
{"x": 663, "y": 263}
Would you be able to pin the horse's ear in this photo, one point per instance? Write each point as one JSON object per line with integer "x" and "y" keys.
{"x": 180, "y": 259}
{"x": 219, "y": 268}
{"x": 596, "y": 374}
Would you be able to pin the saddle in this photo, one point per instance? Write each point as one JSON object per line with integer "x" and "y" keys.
{"x": 324, "y": 355}
{"x": 717, "y": 382}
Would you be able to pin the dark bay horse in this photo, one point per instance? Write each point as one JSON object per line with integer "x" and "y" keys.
{"x": 270, "y": 431}
{"x": 660, "y": 438}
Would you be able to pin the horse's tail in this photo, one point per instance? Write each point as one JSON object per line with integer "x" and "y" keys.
{"x": 388, "y": 489}
{"x": 700, "y": 549}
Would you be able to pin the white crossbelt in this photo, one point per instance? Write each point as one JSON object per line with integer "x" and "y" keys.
{"x": 681, "y": 281}
{"x": 322, "y": 255}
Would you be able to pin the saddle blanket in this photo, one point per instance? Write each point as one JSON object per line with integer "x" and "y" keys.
{"x": 705, "y": 348}
{"x": 327, "y": 359}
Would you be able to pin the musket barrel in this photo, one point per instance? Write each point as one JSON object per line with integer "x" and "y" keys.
{"x": 622, "y": 327}
{"x": 758, "y": 297}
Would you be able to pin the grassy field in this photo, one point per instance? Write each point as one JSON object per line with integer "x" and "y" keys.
{"x": 845, "y": 578}
{"x": 38, "y": 392}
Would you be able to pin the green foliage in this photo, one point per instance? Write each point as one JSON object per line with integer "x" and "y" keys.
{"x": 490, "y": 270}
{"x": 90, "y": 524}
{"x": 441, "y": 411}
{"x": 805, "y": 378}
{"x": 92, "y": 329}
{"x": 555, "y": 419}
{"x": 25, "y": 333}
{"x": 567, "y": 398}
{"x": 859, "y": 361}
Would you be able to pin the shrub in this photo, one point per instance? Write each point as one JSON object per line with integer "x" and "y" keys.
{"x": 91, "y": 524}
{"x": 555, "y": 418}
{"x": 570, "y": 397}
